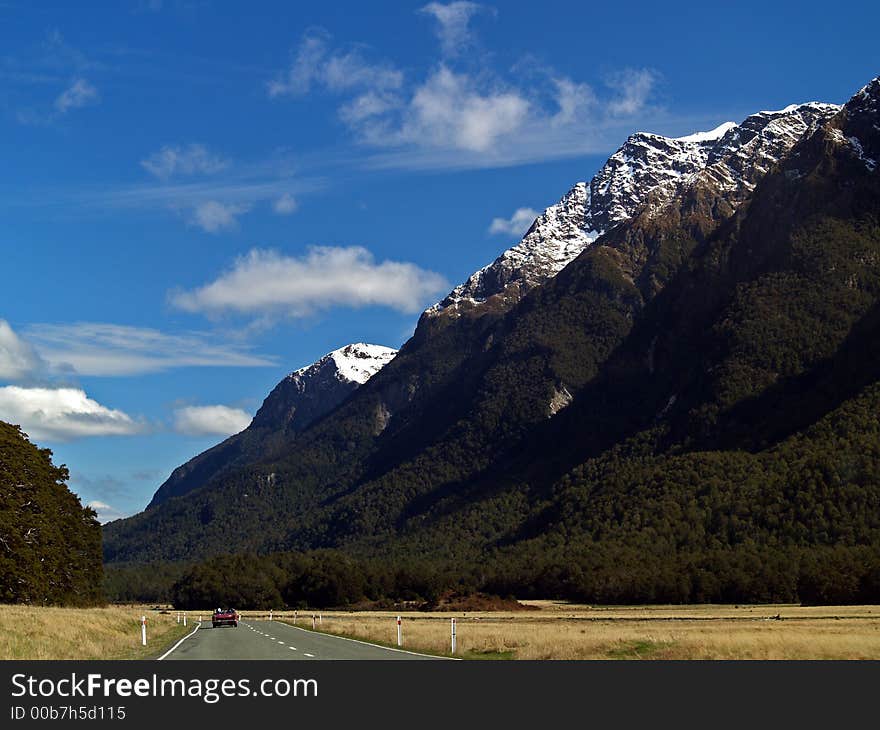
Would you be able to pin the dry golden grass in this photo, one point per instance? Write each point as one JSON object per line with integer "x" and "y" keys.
{"x": 564, "y": 631}
{"x": 36, "y": 632}
{"x": 555, "y": 631}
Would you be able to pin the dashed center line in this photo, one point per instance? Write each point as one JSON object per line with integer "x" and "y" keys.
{"x": 292, "y": 648}
{"x": 307, "y": 654}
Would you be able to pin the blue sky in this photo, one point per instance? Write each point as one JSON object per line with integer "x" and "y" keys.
{"x": 198, "y": 197}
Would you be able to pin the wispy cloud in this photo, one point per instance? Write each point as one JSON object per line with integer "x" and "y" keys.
{"x": 453, "y": 24}
{"x": 285, "y": 205}
{"x": 54, "y": 63}
{"x": 455, "y": 117}
{"x": 270, "y": 283}
{"x": 315, "y": 64}
{"x": 191, "y": 159}
{"x": 516, "y": 225}
{"x": 216, "y": 420}
{"x": 62, "y": 414}
{"x": 234, "y": 190}
{"x": 213, "y": 204}
{"x": 97, "y": 348}
{"x": 80, "y": 93}
{"x": 633, "y": 87}
{"x": 213, "y": 216}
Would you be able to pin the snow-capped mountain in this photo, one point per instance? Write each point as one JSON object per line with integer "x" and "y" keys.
{"x": 313, "y": 390}
{"x": 647, "y": 171}
{"x": 300, "y": 399}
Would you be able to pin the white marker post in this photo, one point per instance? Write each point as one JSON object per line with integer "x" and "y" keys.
{"x": 178, "y": 617}
{"x": 184, "y": 618}
{"x": 295, "y": 614}
{"x": 453, "y": 636}
{"x": 313, "y": 622}
{"x": 399, "y": 634}
{"x": 143, "y": 630}
{"x": 270, "y": 614}
{"x": 321, "y": 619}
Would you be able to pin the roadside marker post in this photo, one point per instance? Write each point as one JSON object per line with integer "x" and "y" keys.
{"x": 143, "y": 630}
{"x": 313, "y": 622}
{"x": 453, "y": 636}
{"x": 178, "y": 617}
{"x": 184, "y": 619}
{"x": 295, "y": 613}
{"x": 321, "y": 619}
{"x": 270, "y": 614}
{"x": 399, "y": 634}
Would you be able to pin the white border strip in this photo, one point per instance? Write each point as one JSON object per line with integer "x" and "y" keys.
{"x": 358, "y": 641}
{"x": 198, "y": 626}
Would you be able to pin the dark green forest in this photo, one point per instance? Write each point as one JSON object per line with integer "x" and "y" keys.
{"x": 50, "y": 545}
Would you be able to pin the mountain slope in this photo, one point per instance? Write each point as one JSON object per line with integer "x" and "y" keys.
{"x": 648, "y": 344}
{"x": 772, "y": 324}
{"x": 300, "y": 399}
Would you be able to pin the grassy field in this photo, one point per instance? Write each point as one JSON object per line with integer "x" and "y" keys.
{"x": 552, "y": 631}
{"x": 565, "y": 631}
{"x": 35, "y": 632}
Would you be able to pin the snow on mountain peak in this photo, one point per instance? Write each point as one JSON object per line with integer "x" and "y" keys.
{"x": 731, "y": 156}
{"x": 710, "y": 136}
{"x": 359, "y": 362}
{"x": 355, "y": 363}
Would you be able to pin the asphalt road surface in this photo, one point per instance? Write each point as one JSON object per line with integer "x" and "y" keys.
{"x": 275, "y": 640}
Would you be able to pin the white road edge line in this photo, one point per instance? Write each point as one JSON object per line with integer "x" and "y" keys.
{"x": 198, "y": 625}
{"x": 378, "y": 646}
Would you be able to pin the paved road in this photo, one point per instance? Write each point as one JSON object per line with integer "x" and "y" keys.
{"x": 276, "y": 640}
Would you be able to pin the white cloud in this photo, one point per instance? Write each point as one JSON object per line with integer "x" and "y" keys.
{"x": 106, "y": 512}
{"x": 367, "y": 106}
{"x": 18, "y": 360}
{"x": 210, "y": 420}
{"x": 453, "y": 20}
{"x": 574, "y": 101}
{"x": 285, "y": 205}
{"x": 213, "y": 216}
{"x": 102, "y": 349}
{"x": 517, "y": 224}
{"x": 449, "y": 111}
{"x": 62, "y": 414}
{"x": 267, "y": 282}
{"x": 80, "y": 93}
{"x": 633, "y": 87}
{"x": 457, "y": 121}
{"x": 315, "y": 64}
{"x": 457, "y": 117}
{"x": 193, "y": 159}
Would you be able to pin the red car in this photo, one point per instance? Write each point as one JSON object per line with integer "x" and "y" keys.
{"x": 224, "y": 617}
